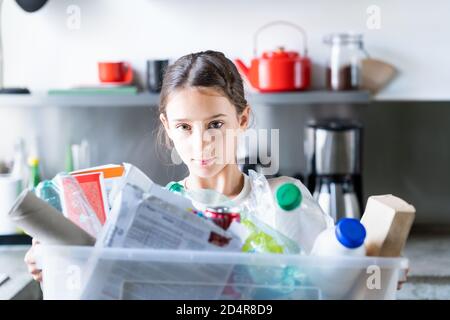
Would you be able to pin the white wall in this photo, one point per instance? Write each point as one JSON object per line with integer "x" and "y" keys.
{"x": 42, "y": 52}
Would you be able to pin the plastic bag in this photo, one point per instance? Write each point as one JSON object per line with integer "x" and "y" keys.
{"x": 256, "y": 237}
{"x": 302, "y": 224}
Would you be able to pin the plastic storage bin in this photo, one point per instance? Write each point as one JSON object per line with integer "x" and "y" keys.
{"x": 93, "y": 273}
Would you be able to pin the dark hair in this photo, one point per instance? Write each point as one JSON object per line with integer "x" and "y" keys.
{"x": 210, "y": 69}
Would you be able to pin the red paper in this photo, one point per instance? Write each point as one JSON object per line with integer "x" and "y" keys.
{"x": 93, "y": 188}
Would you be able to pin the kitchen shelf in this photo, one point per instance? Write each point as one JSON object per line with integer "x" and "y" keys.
{"x": 150, "y": 99}
{"x": 310, "y": 97}
{"x": 98, "y": 100}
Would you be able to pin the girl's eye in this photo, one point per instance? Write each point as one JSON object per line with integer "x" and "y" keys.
{"x": 215, "y": 125}
{"x": 183, "y": 127}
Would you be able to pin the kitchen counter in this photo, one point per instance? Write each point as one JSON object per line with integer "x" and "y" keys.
{"x": 20, "y": 285}
{"x": 428, "y": 251}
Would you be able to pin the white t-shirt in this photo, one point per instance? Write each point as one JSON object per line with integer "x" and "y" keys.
{"x": 246, "y": 190}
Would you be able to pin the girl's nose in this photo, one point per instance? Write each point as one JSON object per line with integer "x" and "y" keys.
{"x": 199, "y": 140}
{"x": 203, "y": 142}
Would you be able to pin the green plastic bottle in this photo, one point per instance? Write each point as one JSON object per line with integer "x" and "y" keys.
{"x": 175, "y": 187}
{"x": 35, "y": 176}
{"x": 289, "y": 197}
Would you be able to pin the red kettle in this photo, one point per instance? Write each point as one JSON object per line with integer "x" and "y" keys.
{"x": 278, "y": 70}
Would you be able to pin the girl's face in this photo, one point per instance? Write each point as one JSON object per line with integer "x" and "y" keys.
{"x": 204, "y": 126}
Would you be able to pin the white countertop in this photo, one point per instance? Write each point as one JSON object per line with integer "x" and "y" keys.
{"x": 429, "y": 259}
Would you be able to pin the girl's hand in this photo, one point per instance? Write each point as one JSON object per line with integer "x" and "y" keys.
{"x": 31, "y": 262}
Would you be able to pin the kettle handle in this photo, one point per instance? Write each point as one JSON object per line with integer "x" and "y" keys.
{"x": 279, "y": 22}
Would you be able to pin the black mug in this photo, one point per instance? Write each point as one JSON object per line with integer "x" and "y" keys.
{"x": 155, "y": 74}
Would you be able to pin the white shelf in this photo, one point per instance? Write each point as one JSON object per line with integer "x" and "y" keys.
{"x": 98, "y": 100}
{"x": 310, "y": 97}
{"x": 149, "y": 99}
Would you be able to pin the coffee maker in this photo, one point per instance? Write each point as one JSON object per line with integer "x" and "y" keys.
{"x": 333, "y": 150}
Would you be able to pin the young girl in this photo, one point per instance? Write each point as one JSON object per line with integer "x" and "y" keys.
{"x": 203, "y": 110}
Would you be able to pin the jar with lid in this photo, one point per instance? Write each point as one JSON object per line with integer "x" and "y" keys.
{"x": 344, "y": 65}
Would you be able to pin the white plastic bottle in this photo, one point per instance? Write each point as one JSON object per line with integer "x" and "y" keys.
{"x": 298, "y": 216}
{"x": 337, "y": 277}
{"x": 346, "y": 239}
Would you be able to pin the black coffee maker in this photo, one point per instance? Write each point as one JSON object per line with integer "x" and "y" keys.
{"x": 333, "y": 150}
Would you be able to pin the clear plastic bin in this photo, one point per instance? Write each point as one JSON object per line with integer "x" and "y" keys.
{"x": 92, "y": 273}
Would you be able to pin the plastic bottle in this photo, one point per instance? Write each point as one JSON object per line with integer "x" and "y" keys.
{"x": 337, "y": 277}
{"x": 35, "y": 176}
{"x": 49, "y": 192}
{"x": 298, "y": 216}
{"x": 175, "y": 187}
{"x": 346, "y": 239}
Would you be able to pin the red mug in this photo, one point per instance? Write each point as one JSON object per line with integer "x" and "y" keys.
{"x": 115, "y": 72}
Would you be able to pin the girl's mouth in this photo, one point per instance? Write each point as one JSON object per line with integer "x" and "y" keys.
{"x": 204, "y": 162}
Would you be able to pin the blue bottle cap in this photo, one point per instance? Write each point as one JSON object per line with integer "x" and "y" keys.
{"x": 350, "y": 233}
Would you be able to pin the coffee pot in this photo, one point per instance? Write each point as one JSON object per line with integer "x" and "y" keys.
{"x": 334, "y": 150}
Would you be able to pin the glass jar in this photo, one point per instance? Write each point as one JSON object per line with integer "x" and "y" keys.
{"x": 344, "y": 65}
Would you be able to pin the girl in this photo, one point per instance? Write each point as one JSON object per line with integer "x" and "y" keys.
{"x": 203, "y": 110}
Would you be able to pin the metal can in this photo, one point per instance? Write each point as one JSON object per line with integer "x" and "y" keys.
{"x": 223, "y": 216}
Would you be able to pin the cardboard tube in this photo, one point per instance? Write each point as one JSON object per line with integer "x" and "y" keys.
{"x": 46, "y": 224}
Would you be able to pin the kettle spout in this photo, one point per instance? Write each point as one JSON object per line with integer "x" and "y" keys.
{"x": 242, "y": 68}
